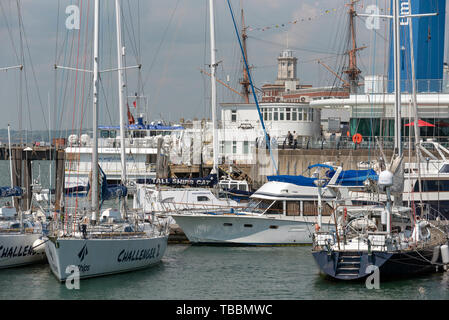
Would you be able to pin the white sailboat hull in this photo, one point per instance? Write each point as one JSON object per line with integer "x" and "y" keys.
{"x": 248, "y": 230}
{"x": 16, "y": 249}
{"x": 98, "y": 257}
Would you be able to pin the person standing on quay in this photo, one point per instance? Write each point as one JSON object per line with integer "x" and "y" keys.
{"x": 295, "y": 139}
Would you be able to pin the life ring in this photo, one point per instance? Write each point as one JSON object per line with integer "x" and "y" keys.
{"x": 357, "y": 138}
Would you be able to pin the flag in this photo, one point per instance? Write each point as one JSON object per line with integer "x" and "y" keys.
{"x": 130, "y": 116}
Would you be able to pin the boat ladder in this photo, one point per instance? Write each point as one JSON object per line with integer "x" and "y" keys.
{"x": 348, "y": 264}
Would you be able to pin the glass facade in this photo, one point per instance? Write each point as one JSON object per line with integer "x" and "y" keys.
{"x": 376, "y": 127}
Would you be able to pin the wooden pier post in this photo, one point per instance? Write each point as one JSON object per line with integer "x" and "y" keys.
{"x": 26, "y": 204}
{"x": 16, "y": 154}
{"x": 59, "y": 185}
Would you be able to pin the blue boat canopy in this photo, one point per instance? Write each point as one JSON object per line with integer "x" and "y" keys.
{"x": 10, "y": 192}
{"x": 353, "y": 177}
{"x": 346, "y": 178}
{"x": 319, "y": 165}
{"x": 298, "y": 180}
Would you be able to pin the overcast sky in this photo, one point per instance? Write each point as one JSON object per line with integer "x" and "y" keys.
{"x": 170, "y": 39}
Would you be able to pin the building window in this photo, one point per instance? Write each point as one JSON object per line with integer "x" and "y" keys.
{"x": 228, "y": 147}
{"x": 234, "y": 115}
{"x": 311, "y": 115}
{"x": 281, "y": 114}
{"x": 275, "y": 114}
{"x": 299, "y": 114}
{"x": 245, "y": 147}
{"x": 270, "y": 111}
{"x": 306, "y": 114}
{"x": 265, "y": 114}
{"x": 234, "y": 147}
{"x": 222, "y": 147}
{"x": 294, "y": 114}
{"x": 287, "y": 114}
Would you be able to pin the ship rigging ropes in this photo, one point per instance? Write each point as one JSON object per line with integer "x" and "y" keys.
{"x": 22, "y": 54}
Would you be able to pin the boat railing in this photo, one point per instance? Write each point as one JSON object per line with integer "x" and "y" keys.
{"x": 132, "y": 228}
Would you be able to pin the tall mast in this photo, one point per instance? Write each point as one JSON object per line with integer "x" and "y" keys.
{"x": 213, "y": 66}
{"x": 245, "y": 81}
{"x": 353, "y": 71}
{"x": 121, "y": 88}
{"x": 96, "y": 76}
{"x": 397, "y": 79}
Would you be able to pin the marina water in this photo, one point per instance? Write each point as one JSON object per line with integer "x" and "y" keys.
{"x": 202, "y": 272}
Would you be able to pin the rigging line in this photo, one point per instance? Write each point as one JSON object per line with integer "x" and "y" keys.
{"x": 74, "y": 96}
{"x": 252, "y": 87}
{"x": 9, "y": 31}
{"x": 66, "y": 86}
{"x": 291, "y": 47}
{"x": 134, "y": 42}
{"x": 33, "y": 71}
{"x": 160, "y": 43}
{"x": 105, "y": 99}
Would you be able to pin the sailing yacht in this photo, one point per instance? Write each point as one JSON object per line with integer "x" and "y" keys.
{"x": 97, "y": 248}
{"x": 385, "y": 236}
{"x": 20, "y": 237}
{"x": 388, "y": 237}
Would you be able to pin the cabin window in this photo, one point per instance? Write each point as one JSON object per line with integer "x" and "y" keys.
{"x": 234, "y": 147}
{"x": 202, "y": 198}
{"x": 234, "y": 115}
{"x": 311, "y": 208}
{"x": 444, "y": 168}
{"x": 274, "y": 227}
{"x": 248, "y": 225}
{"x": 226, "y": 224}
{"x": 432, "y": 185}
{"x": 293, "y": 208}
{"x": 242, "y": 187}
{"x": 104, "y": 134}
